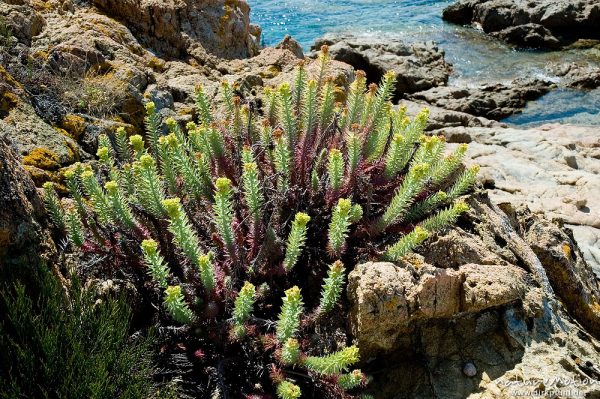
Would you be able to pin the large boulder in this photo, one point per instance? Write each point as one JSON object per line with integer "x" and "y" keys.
{"x": 196, "y": 27}
{"x": 498, "y": 298}
{"x": 530, "y": 23}
{"x": 418, "y": 66}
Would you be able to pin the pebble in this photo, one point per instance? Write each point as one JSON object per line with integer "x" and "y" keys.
{"x": 470, "y": 370}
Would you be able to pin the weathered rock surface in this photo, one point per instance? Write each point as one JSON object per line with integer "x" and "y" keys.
{"x": 534, "y": 23}
{"x": 22, "y": 20}
{"x": 418, "y": 66}
{"x": 176, "y": 28}
{"x": 578, "y": 76}
{"x": 492, "y": 101}
{"x": 23, "y": 233}
{"x": 440, "y": 118}
{"x": 497, "y": 293}
{"x": 554, "y": 169}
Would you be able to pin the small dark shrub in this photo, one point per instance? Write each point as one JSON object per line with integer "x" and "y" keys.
{"x": 57, "y": 343}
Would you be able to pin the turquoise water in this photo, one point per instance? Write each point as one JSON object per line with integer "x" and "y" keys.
{"x": 476, "y": 57}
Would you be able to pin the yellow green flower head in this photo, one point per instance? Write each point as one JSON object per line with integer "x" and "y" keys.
{"x": 421, "y": 233}
{"x": 461, "y": 207}
{"x": 284, "y": 88}
{"x": 334, "y": 152}
{"x": 344, "y": 205}
{"x": 398, "y": 138}
{"x": 402, "y": 109}
{"x": 423, "y": 114}
{"x": 87, "y": 174}
{"x": 171, "y": 123}
{"x": 172, "y": 206}
{"x": 405, "y": 121}
{"x": 223, "y": 184}
{"x": 48, "y": 185}
{"x": 312, "y": 84}
{"x": 149, "y": 246}
{"x": 137, "y": 142}
{"x": 172, "y": 140}
{"x": 69, "y": 173}
{"x": 111, "y": 187}
{"x": 172, "y": 292}
{"x": 389, "y": 75}
{"x": 293, "y": 294}
{"x": 204, "y": 259}
{"x": 442, "y": 195}
{"x": 150, "y": 107}
{"x": 463, "y": 148}
{"x": 250, "y": 167}
{"x": 419, "y": 170}
{"x": 302, "y": 219}
{"x": 121, "y": 130}
{"x": 475, "y": 169}
{"x": 248, "y": 287}
{"x": 287, "y": 390}
{"x": 146, "y": 160}
{"x": 190, "y": 126}
{"x": 102, "y": 153}
{"x": 162, "y": 139}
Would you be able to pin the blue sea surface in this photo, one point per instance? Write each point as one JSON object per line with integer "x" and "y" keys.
{"x": 476, "y": 57}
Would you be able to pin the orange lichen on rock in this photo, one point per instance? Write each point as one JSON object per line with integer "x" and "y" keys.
{"x": 74, "y": 126}
{"x": 42, "y": 158}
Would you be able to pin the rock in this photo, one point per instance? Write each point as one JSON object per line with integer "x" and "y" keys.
{"x": 531, "y": 167}
{"x": 440, "y": 118}
{"x": 528, "y": 35}
{"x": 492, "y": 101}
{"x": 425, "y": 322}
{"x": 274, "y": 66}
{"x": 537, "y": 23}
{"x": 196, "y": 27}
{"x": 24, "y": 237}
{"x": 570, "y": 276}
{"x": 418, "y": 66}
{"x": 21, "y": 20}
{"x": 578, "y": 76}
{"x": 388, "y": 300}
{"x": 30, "y": 133}
{"x": 289, "y": 43}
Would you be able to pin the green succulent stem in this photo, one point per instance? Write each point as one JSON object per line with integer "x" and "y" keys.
{"x": 296, "y": 240}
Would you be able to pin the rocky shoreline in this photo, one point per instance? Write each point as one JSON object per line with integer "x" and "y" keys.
{"x": 538, "y": 23}
{"x": 511, "y": 291}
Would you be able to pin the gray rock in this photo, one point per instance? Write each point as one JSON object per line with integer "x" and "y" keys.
{"x": 492, "y": 101}
{"x": 530, "y": 23}
{"x": 418, "y": 66}
{"x": 530, "y": 167}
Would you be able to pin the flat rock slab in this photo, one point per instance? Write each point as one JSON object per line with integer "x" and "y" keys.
{"x": 554, "y": 169}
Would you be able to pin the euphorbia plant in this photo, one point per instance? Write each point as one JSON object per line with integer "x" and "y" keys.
{"x": 240, "y": 208}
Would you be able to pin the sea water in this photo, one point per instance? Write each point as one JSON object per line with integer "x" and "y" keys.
{"x": 476, "y": 57}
